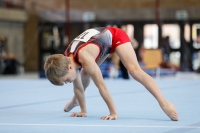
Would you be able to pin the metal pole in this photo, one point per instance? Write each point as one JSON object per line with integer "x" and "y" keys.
{"x": 67, "y": 30}
{"x": 157, "y": 15}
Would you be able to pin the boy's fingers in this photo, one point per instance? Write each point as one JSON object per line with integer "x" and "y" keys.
{"x": 108, "y": 118}
{"x": 81, "y": 115}
{"x": 73, "y": 115}
{"x": 112, "y": 118}
{"x": 103, "y": 117}
{"x": 77, "y": 115}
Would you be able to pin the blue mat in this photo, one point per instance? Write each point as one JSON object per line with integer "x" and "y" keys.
{"x": 36, "y": 106}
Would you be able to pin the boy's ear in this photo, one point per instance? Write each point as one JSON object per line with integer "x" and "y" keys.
{"x": 69, "y": 66}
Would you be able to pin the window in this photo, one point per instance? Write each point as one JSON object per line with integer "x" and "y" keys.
{"x": 187, "y": 32}
{"x": 196, "y": 35}
{"x": 175, "y": 58}
{"x": 129, "y": 29}
{"x": 151, "y": 36}
{"x": 173, "y": 31}
{"x": 196, "y": 44}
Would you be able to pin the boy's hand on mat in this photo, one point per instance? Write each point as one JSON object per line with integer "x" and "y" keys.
{"x": 110, "y": 117}
{"x": 79, "y": 114}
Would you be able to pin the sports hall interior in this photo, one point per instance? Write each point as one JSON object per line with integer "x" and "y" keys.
{"x": 31, "y": 30}
{"x": 165, "y": 35}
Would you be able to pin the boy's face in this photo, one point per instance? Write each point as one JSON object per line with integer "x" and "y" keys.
{"x": 70, "y": 76}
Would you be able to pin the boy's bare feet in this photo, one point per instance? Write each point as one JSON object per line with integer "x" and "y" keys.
{"x": 170, "y": 111}
{"x": 70, "y": 105}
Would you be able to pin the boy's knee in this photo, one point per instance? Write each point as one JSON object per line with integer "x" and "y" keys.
{"x": 134, "y": 71}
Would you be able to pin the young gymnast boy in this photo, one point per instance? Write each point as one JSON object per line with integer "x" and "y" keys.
{"x": 88, "y": 51}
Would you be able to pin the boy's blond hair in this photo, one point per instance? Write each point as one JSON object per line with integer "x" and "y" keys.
{"x": 56, "y": 67}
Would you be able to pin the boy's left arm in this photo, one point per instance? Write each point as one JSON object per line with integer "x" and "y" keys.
{"x": 90, "y": 66}
{"x": 80, "y": 95}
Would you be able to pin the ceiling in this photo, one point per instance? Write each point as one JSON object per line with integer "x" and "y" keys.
{"x": 40, "y": 4}
{"x": 55, "y": 10}
{"x": 51, "y": 10}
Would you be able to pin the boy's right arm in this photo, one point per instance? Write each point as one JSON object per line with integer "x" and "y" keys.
{"x": 80, "y": 95}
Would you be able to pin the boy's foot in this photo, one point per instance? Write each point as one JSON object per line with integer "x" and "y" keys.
{"x": 70, "y": 105}
{"x": 170, "y": 111}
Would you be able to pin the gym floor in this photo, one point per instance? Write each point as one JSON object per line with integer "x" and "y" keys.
{"x": 29, "y": 104}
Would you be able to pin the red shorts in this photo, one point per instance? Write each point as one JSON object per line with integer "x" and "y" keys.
{"x": 118, "y": 37}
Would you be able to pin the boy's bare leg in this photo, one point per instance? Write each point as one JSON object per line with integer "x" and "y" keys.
{"x": 74, "y": 102}
{"x": 130, "y": 62}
